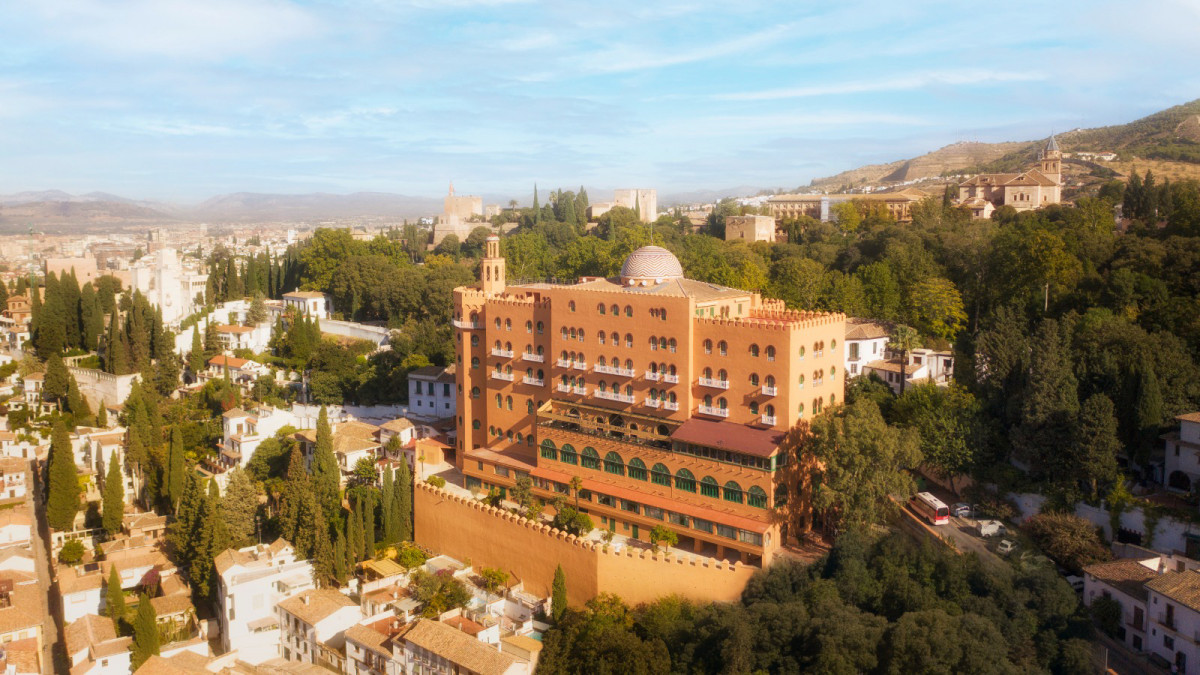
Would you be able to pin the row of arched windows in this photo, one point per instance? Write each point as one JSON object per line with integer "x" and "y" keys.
{"x": 614, "y": 310}
{"x": 572, "y": 333}
{"x": 615, "y": 338}
{"x": 665, "y": 344}
{"x": 659, "y": 474}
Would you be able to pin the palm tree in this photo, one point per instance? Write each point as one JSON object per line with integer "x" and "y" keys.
{"x": 903, "y": 339}
{"x": 576, "y": 485}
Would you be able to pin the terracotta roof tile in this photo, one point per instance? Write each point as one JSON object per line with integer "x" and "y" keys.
{"x": 1127, "y": 576}
{"x": 312, "y": 606}
{"x": 1182, "y": 587}
{"x": 460, "y": 648}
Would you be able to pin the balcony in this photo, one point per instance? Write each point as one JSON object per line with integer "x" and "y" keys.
{"x": 671, "y": 405}
{"x": 615, "y": 396}
{"x": 652, "y": 403}
{"x": 615, "y": 370}
{"x": 673, "y": 379}
{"x": 467, "y": 325}
{"x": 1167, "y": 622}
{"x": 582, "y": 391}
{"x": 580, "y": 365}
{"x": 564, "y": 388}
{"x": 714, "y": 384}
{"x": 505, "y": 353}
{"x": 714, "y": 411}
{"x": 563, "y": 363}
{"x": 507, "y": 377}
{"x": 768, "y": 420}
{"x": 536, "y": 358}
{"x": 770, "y": 391}
{"x": 652, "y": 376}
{"x": 534, "y": 381}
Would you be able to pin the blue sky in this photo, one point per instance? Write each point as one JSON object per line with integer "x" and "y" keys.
{"x": 182, "y": 99}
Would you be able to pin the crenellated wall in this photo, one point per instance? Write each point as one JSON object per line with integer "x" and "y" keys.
{"x": 490, "y": 537}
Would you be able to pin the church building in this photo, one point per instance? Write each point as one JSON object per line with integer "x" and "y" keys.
{"x": 1025, "y": 191}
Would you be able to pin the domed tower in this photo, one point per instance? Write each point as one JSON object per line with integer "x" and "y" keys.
{"x": 1051, "y": 159}
{"x": 650, "y": 266}
{"x": 491, "y": 268}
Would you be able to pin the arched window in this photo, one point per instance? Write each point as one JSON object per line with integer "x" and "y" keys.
{"x": 563, "y": 332}
{"x": 474, "y": 340}
{"x": 567, "y": 454}
{"x": 753, "y": 407}
{"x": 722, "y": 403}
{"x": 800, "y": 410}
{"x": 709, "y": 487}
{"x": 616, "y": 311}
{"x": 672, "y": 345}
{"x": 671, "y": 371}
{"x": 603, "y": 386}
{"x": 801, "y": 381}
{"x": 757, "y": 497}
{"x": 528, "y": 326}
{"x": 723, "y": 348}
{"x": 475, "y": 424}
{"x": 590, "y": 459}
{"x": 540, "y": 327}
{"x": 802, "y": 352}
{"x": 754, "y": 379}
{"x": 708, "y": 400}
{"x": 499, "y": 401}
{"x": 770, "y": 410}
{"x": 833, "y": 344}
{"x": 660, "y": 475}
{"x": 628, "y": 310}
{"x": 708, "y": 346}
{"x": 662, "y": 314}
{"x": 616, "y": 339}
{"x": 684, "y": 480}
{"x": 474, "y": 361}
{"x": 832, "y": 371}
{"x": 733, "y": 492}
{"x": 770, "y": 353}
{"x": 637, "y": 469}
{"x": 600, "y": 362}
{"x": 722, "y": 375}
{"x": 529, "y": 405}
{"x": 770, "y": 381}
{"x": 474, "y": 392}
{"x": 508, "y": 346}
{"x": 508, "y": 324}
{"x": 601, "y": 308}
{"x": 508, "y": 402}
{"x": 708, "y": 373}
{"x": 571, "y": 305}
{"x": 497, "y": 343}
{"x": 614, "y": 464}
{"x": 832, "y": 399}
{"x": 541, "y": 351}
{"x": 671, "y": 398}
{"x": 653, "y": 394}
{"x": 628, "y": 389}
{"x": 754, "y": 350}
{"x": 497, "y": 322}
{"x": 600, "y": 337}
{"x": 581, "y": 335}
{"x": 629, "y": 340}
{"x": 653, "y": 343}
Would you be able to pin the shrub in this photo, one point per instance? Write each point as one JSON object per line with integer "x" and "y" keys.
{"x": 436, "y": 481}
{"x": 1069, "y": 540}
{"x": 71, "y": 553}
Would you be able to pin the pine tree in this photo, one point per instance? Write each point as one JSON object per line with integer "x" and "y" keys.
{"x": 558, "y": 594}
{"x": 113, "y": 504}
{"x": 257, "y": 312}
{"x": 102, "y": 415}
{"x": 404, "y": 503}
{"x": 239, "y": 508}
{"x": 62, "y": 501}
{"x": 175, "y": 469}
{"x": 145, "y": 632}
{"x": 326, "y": 475}
{"x": 115, "y": 599}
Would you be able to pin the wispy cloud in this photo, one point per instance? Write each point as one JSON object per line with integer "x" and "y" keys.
{"x": 625, "y": 57}
{"x": 898, "y": 83}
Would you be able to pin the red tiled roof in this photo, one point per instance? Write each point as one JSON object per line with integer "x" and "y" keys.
{"x": 729, "y": 436}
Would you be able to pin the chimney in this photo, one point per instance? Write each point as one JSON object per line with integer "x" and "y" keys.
{"x": 304, "y": 598}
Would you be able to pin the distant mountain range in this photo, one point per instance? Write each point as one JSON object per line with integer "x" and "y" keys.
{"x": 1172, "y": 135}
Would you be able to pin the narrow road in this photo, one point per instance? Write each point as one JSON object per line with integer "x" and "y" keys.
{"x": 54, "y": 651}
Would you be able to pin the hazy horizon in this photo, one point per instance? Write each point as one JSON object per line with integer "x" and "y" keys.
{"x": 178, "y": 102}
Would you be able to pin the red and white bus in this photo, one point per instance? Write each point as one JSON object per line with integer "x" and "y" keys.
{"x": 930, "y": 508}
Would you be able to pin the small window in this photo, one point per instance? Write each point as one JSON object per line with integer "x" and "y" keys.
{"x": 540, "y": 327}
{"x": 754, "y": 380}
{"x": 508, "y": 324}
{"x": 708, "y": 346}
{"x": 571, "y": 305}
{"x": 602, "y": 309}
{"x": 754, "y": 351}
{"x": 628, "y": 310}
{"x": 770, "y": 353}
{"x": 723, "y": 348}
{"x": 528, "y": 326}
{"x": 629, "y": 341}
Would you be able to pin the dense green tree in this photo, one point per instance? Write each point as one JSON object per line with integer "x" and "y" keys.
{"x": 113, "y": 504}
{"x": 62, "y": 501}
{"x": 1050, "y": 398}
{"x": 947, "y": 419}
{"x": 864, "y": 464}
{"x": 558, "y": 594}
{"x": 326, "y": 477}
{"x": 114, "y": 598}
{"x": 196, "y": 354}
{"x": 903, "y": 340}
{"x": 239, "y": 508}
{"x": 145, "y": 632}
{"x": 403, "y": 508}
{"x": 175, "y": 466}
{"x": 296, "y": 485}
{"x": 58, "y": 381}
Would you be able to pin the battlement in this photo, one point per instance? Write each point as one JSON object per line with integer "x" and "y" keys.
{"x": 786, "y": 319}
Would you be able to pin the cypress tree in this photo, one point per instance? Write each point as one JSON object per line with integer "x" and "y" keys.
{"x": 212, "y": 343}
{"x": 324, "y": 565}
{"x": 184, "y": 531}
{"x": 351, "y": 542}
{"x": 581, "y": 206}
{"x": 166, "y": 371}
{"x": 537, "y": 211}
{"x": 368, "y": 510}
{"x": 113, "y": 503}
{"x": 404, "y": 504}
{"x": 62, "y": 502}
{"x": 387, "y": 509}
{"x": 360, "y": 537}
{"x": 1148, "y": 412}
{"x": 102, "y": 416}
{"x": 296, "y": 485}
{"x": 145, "y": 632}
{"x": 116, "y": 357}
{"x": 558, "y": 594}
{"x": 339, "y": 559}
{"x": 325, "y": 472}
{"x": 175, "y": 470}
{"x": 239, "y": 508}
{"x": 77, "y": 405}
{"x": 57, "y": 382}
{"x": 1131, "y": 203}
{"x": 196, "y": 355}
{"x": 115, "y": 599}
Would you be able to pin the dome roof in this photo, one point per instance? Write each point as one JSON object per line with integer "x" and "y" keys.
{"x": 650, "y": 264}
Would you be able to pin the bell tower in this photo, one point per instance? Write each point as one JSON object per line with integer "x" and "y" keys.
{"x": 491, "y": 268}
{"x": 1051, "y": 161}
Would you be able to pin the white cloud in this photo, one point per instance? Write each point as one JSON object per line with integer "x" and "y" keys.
{"x": 189, "y": 29}
{"x": 898, "y": 83}
{"x": 624, "y": 58}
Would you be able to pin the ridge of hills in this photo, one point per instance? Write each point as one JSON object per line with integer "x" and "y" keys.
{"x": 1171, "y": 136}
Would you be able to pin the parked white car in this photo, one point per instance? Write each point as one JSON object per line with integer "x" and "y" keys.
{"x": 990, "y": 528}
